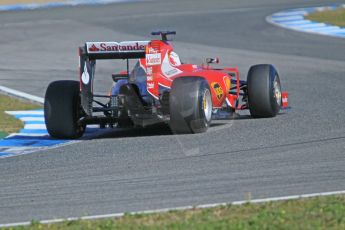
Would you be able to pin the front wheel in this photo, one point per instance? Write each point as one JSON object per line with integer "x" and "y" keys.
{"x": 264, "y": 91}
{"x": 190, "y": 105}
{"x": 62, "y": 110}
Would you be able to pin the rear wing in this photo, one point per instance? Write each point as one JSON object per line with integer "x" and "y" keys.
{"x": 114, "y": 50}
{"x": 91, "y": 51}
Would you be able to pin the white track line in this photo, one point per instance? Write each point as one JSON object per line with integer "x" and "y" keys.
{"x": 22, "y": 94}
{"x": 292, "y": 13}
{"x": 329, "y": 28}
{"x": 35, "y": 126}
{"x": 287, "y": 18}
{"x": 26, "y": 112}
{"x": 27, "y": 134}
{"x": 117, "y": 215}
{"x": 32, "y": 119}
{"x": 295, "y": 22}
{"x": 310, "y": 25}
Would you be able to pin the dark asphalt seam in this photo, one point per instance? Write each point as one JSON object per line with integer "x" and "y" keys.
{"x": 256, "y": 149}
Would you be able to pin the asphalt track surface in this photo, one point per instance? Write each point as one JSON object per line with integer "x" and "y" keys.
{"x": 300, "y": 151}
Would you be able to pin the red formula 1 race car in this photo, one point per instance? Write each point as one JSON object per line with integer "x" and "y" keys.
{"x": 160, "y": 88}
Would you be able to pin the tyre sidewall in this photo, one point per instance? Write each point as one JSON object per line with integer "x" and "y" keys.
{"x": 274, "y": 77}
{"x": 199, "y": 123}
{"x": 186, "y": 111}
{"x": 261, "y": 96}
{"x": 62, "y": 110}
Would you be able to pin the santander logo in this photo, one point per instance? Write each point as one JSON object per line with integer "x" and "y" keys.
{"x": 153, "y": 59}
{"x": 96, "y": 47}
{"x": 93, "y": 48}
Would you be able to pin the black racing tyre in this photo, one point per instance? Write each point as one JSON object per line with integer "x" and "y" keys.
{"x": 264, "y": 91}
{"x": 62, "y": 110}
{"x": 190, "y": 105}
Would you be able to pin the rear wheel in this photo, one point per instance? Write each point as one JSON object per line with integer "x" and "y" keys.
{"x": 190, "y": 105}
{"x": 264, "y": 91}
{"x": 62, "y": 110}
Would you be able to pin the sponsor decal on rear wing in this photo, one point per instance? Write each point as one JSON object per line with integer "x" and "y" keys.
{"x": 115, "y": 50}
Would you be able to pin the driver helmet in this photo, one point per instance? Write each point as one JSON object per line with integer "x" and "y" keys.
{"x": 174, "y": 59}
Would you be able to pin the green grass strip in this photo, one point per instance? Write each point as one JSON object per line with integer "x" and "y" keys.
{"x": 3, "y": 134}
{"x": 333, "y": 17}
{"x": 312, "y": 213}
{"x": 9, "y": 124}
